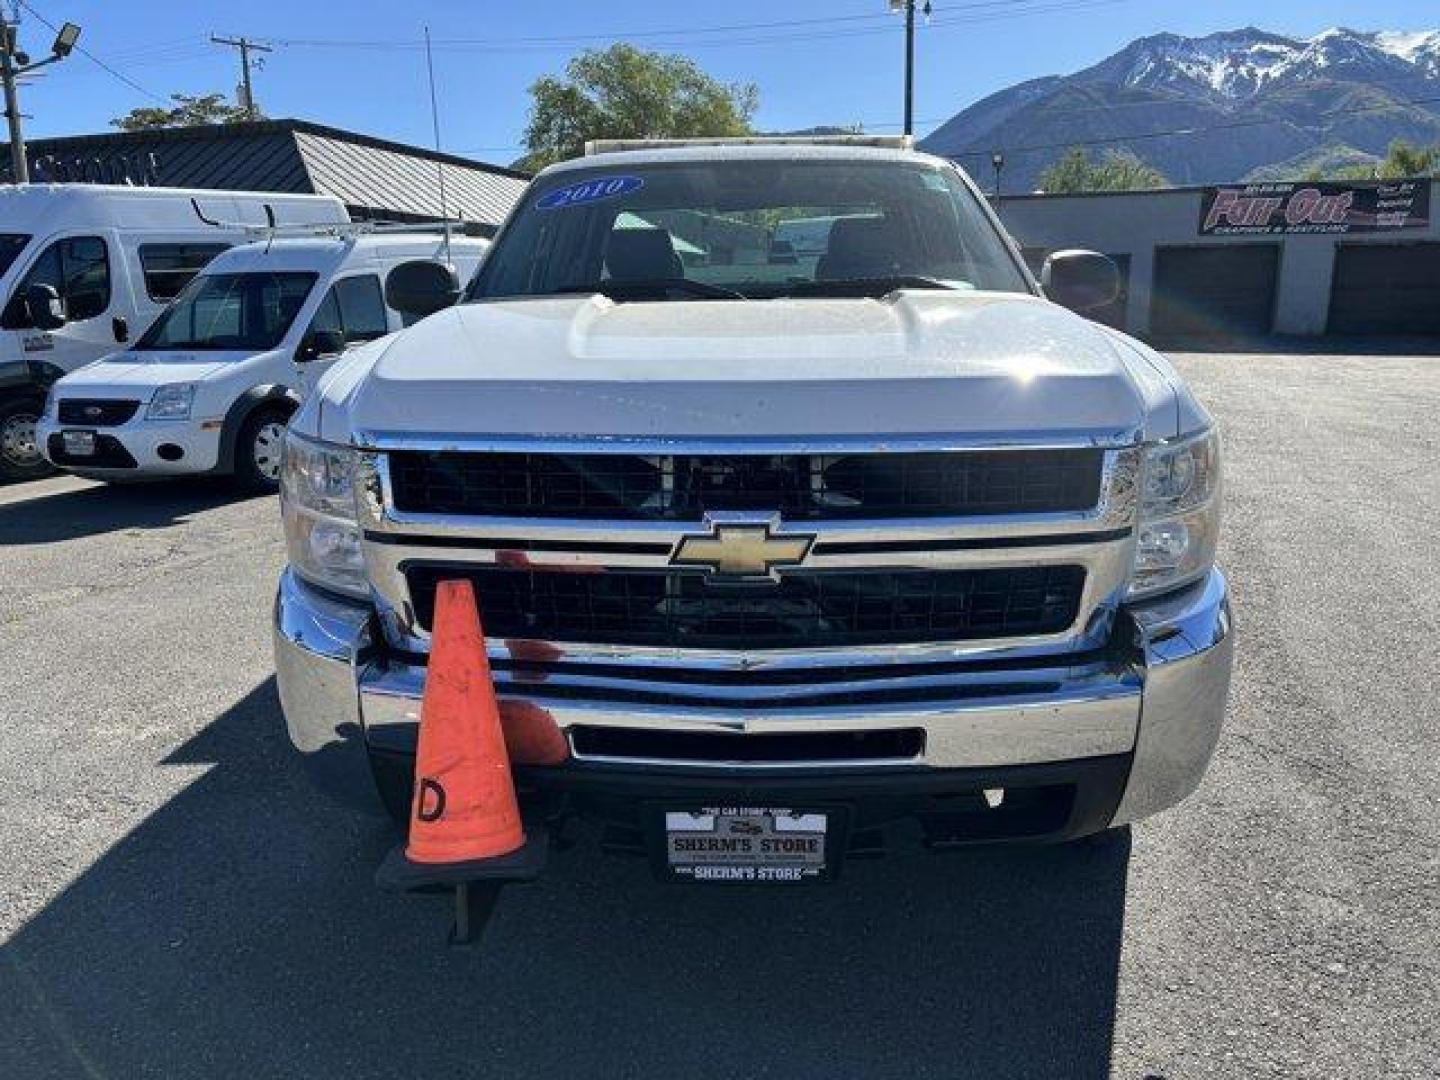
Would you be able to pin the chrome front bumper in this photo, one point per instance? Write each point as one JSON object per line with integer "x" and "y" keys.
{"x": 1162, "y": 699}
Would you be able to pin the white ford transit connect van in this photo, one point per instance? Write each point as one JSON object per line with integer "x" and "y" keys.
{"x": 209, "y": 386}
{"x": 85, "y": 266}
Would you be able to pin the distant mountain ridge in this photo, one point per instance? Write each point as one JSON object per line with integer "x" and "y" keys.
{"x": 1213, "y": 109}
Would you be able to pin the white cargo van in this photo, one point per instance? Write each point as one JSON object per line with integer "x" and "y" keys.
{"x": 85, "y": 266}
{"x": 209, "y": 386}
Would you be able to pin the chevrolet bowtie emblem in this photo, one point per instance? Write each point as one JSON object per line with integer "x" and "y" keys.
{"x": 741, "y": 549}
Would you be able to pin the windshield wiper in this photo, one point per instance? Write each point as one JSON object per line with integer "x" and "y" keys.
{"x": 866, "y": 286}
{"x": 655, "y": 286}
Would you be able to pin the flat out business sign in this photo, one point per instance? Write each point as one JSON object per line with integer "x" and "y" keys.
{"x": 1324, "y": 208}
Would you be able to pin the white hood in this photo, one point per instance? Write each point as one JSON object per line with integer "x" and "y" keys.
{"x": 129, "y": 372}
{"x": 915, "y": 363}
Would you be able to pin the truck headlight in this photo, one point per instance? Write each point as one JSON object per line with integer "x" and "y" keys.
{"x": 172, "y": 402}
{"x": 317, "y": 505}
{"x": 1179, "y": 514}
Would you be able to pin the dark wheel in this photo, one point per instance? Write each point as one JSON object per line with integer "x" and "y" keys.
{"x": 257, "y": 450}
{"x": 20, "y": 457}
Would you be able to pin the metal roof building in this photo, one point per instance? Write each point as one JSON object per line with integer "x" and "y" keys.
{"x": 377, "y": 179}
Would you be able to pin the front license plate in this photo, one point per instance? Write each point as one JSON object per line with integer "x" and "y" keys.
{"x": 78, "y": 443}
{"x": 741, "y": 844}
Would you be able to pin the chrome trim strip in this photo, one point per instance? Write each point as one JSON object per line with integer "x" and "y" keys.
{"x": 1107, "y": 438}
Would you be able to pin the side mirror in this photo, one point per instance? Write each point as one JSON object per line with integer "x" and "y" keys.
{"x": 1080, "y": 280}
{"x": 420, "y": 288}
{"x": 42, "y": 304}
{"x": 318, "y": 343}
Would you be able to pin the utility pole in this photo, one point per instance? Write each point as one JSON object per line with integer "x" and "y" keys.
{"x": 245, "y": 45}
{"x": 908, "y": 6}
{"x": 13, "y": 64}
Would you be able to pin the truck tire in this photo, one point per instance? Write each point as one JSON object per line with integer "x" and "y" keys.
{"x": 257, "y": 450}
{"x": 20, "y": 457}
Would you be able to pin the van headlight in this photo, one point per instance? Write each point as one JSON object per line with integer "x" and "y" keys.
{"x": 317, "y": 504}
{"x": 1179, "y": 521}
{"x": 172, "y": 402}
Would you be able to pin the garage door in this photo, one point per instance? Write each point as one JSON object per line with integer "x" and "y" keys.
{"x": 1386, "y": 289}
{"x": 1211, "y": 291}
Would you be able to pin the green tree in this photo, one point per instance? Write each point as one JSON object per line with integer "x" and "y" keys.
{"x": 1117, "y": 170}
{"x": 189, "y": 111}
{"x": 626, "y": 93}
{"x": 1402, "y": 161}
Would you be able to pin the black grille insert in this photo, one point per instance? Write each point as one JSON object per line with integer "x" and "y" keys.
{"x": 110, "y": 453}
{"x": 96, "y": 412}
{"x": 902, "y": 744}
{"x": 801, "y": 610}
{"x": 799, "y": 486}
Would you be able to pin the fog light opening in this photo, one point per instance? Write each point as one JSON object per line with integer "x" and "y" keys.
{"x": 170, "y": 452}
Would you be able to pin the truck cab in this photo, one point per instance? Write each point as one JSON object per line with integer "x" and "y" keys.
{"x": 86, "y": 267}
{"x": 208, "y": 387}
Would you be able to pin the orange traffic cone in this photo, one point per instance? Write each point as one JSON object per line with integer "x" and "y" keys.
{"x": 464, "y": 807}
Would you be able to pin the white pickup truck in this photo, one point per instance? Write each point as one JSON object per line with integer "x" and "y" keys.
{"x": 790, "y": 545}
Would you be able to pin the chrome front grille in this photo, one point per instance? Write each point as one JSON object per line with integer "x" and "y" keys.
{"x": 807, "y": 487}
{"x": 912, "y": 588}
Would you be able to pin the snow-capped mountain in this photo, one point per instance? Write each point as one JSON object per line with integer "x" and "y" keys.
{"x": 1235, "y": 101}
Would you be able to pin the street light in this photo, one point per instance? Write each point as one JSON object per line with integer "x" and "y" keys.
{"x": 13, "y": 64}
{"x": 65, "y": 41}
{"x": 997, "y": 159}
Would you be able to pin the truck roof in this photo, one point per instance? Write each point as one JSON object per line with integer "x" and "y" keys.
{"x": 777, "y": 150}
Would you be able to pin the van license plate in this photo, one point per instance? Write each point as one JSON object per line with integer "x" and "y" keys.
{"x": 78, "y": 443}
{"x": 741, "y": 844}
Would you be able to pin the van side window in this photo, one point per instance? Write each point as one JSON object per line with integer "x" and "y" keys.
{"x": 168, "y": 268}
{"x": 78, "y": 268}
{"x": 362, "y": 308}
{"x": 353, "y": 307}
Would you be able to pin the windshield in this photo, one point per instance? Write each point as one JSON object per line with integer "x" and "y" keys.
{"x": 243, "y": 312}
{"x": 11, "y": 245}
{"x": 749, "y": 229}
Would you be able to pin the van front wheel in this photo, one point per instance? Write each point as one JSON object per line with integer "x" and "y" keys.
{"x": 20, "y": 457}
{"x": 257, "y": 451}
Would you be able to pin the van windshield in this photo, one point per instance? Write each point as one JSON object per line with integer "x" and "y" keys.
{"x": 749, "y": 229}
{"x": 243, "y": 312}
{"x": 11, "y": 245}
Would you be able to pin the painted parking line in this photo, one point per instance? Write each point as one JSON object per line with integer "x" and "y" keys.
{"x": 43, "y": 489}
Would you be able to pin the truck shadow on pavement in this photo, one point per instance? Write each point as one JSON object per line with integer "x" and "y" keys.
{"x": 91, "y": 511}
{"x": 237, "y": 932}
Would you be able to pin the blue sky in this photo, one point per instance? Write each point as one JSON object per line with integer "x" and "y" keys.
{"x": 358, "y": 64}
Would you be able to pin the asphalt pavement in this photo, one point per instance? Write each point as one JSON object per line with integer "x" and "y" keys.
{"x": 176, "y": 902}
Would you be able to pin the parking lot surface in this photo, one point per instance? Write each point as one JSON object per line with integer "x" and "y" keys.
{"x": 175, "y": 902}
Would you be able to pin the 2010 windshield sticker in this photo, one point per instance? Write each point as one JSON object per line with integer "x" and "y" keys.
{"x": 588, "y": 191}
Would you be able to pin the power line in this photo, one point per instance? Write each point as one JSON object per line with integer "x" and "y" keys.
{"x": 95, "y": 59}
{"x": 975, "y": 11}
